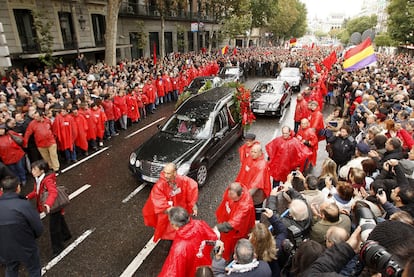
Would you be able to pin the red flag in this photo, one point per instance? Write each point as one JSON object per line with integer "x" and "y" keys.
{"x": 330, "y": 60}
{"x": 318, "y": 68}
{"x": 155, "y": 53}
{"x": 234, "y": 51}
{"x": 313, "y": 45}
{"x": 225, "y": 50}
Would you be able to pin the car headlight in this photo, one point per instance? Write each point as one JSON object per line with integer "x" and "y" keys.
{"x": 132, "y": 158}
{"x": 138, "y": 163}
{"x": 273, "y": 106}
{"x": 184, "y": 169}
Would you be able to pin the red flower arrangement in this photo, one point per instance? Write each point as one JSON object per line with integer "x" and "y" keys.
{"x": 242, "y": 97}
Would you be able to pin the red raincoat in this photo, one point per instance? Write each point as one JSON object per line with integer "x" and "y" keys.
{"x": 65, "y": 130}
{"x": 286, "y": 155}
{"x": 132, "y": 104}
{"x": 244, "y": 151}
{"x": 10, "y": 151}
{"x": 92, "y": 123}
{"x": 189, "y": 251}
{"x": 309, "y": 135}
{"x": 120, "y": 103}
{"x": 254, "y": 174}
{"x": 81, "y": 140}
{"x": 240, "y": 215}
{"x": 100, "y": 121}
{"x": 316, "y": 121}
{"x": 301, "y": 110}
{"x": 186, "y": 196}
{"x": 150, "y": 91}
{"x": 48, "y": 184}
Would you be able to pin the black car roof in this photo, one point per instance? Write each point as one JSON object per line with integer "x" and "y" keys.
{"x": 205, "y": 102}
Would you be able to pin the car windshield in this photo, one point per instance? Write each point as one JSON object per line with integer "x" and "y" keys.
{"x": 197, "y": 83}
{"x": 268, "y": 88}
{"x": 289, "y": 72}
{"x": 230, "y": 71}
{"x": 188, "y": 127}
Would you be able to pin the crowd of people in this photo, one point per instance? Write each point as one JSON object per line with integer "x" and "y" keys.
{"x": 279, "y": 219}
{"x": 276, "y": 218}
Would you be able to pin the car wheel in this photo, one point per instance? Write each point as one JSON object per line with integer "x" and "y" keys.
{"x": 202, "y": 174}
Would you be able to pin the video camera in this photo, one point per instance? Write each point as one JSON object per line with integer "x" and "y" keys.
{"x": 376, "y": 257}
{"x": 366, "y": 219}
{"x": 216, "y": 248}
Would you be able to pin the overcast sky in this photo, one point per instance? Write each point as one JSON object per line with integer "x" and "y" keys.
{"x": 322, "y": 8}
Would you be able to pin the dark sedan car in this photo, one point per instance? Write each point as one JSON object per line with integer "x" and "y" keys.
{"x": 232, "y": 74}
{"x": 193, "y": 138}
{"x": 271, "y": 97}
{"x": 198, "y": 82}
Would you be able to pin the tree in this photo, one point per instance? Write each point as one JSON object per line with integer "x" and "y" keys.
{"x": 401, "y": 21}
{"x": 113, "y": 7}
{"x": 299, "y": 27}
{"x": 287, "y": 15}
{"x": 44, "y": 37}
{"x": 360, "y": 24}
{"x": 384, "y": 39}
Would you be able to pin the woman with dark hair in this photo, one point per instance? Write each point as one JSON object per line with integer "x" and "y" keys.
{"x": 45, "y": 181}
{"x": 344, "y": 196}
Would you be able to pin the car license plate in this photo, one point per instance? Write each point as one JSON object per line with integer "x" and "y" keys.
{"x": 258, "y": 111}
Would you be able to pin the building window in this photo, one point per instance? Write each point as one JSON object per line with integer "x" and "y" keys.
{"x": 168, "y": 42}
{"x": 98, "y": 24}
{"x": 136, "y": 51}
{"x": 154, "y": 41}
{"x": 66, "y": 28}
{"x": 26, "y": 29}
{"x": 190, "y": 36}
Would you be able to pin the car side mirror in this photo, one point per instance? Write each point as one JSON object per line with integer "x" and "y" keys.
{"x": 219, "y": 135}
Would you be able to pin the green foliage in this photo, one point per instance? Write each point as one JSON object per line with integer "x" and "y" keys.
{"x": 262, "y": 12}
{"x": 320, "y": 34}
{"x": 360, "y": 24}
{"x": 187, "y": 94}
{"x": 384, "y": 39}
{"x": 344, "y": 36}
{"x": 181, "y": 34}
{"x": 141, "y": 37}
{"x": 44, "y": 37}
{"x": 401, "y": 21}
{"x": 290, "y": 20}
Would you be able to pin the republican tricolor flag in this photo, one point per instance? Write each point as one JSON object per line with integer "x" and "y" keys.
{"x": 292, "y": 42}
{"x": 360, "y": 56}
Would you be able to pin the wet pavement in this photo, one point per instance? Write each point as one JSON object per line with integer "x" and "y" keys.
{"x": 108, "y": 217}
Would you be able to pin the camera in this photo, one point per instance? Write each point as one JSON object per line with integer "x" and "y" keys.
{"x": 216, "y": 248}
{"x": 376, "y": 257}
{"x": 260, "y": 210}
{"x": 294, "y": 172}
{"x": 366, "y": 219}
{"x": 380, "y": 191}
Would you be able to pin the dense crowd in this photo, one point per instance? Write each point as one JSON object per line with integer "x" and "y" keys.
{"x": 69, "y": 111}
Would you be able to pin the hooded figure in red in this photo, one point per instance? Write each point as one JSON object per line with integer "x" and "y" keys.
{"x": 286, "y": 153}
{"x": 171, "y": 190}
{"x": 301, "y": 110}
{"x": 316, "y": 118}
{"x": 254, "y": 175}
{"x": 235, "y": 217}
{"x": 308, "y": 137}
{"x": 189, "y": 249}
{"x": 244, "y": 150}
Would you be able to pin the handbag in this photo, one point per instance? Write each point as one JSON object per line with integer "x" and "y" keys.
{"x": 18, "y": 140}
{"x": 62, "y": 199}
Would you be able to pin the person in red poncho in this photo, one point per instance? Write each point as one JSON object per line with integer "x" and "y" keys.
{"x": 98, "y": 113}
{"x": 65, "y": 130}
{"x": 121, "y": 104}
{"x": 301, "y": 110}
{"x": 286, "y": 153}
{"x": 316, "y": 119}
{"x": 151, "y": 93}
{"x": 191, "y": 247}
{"x": 159, "y": 84}
{"x": 133, "y": 109}
{"x": 235, "y": 217}
{"x": 92, "y": 123}
{"x": 254, "y": 175}
{"x": 244, "y": 150}
{"x": 81, "y": 140}
{"x": 308, "y": 137}
{"x": 170, "y": 190}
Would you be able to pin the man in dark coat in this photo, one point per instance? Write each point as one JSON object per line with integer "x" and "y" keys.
{"x": 20, "y": 226}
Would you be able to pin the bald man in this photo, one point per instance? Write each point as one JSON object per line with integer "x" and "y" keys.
{"x": 171, "y": 190}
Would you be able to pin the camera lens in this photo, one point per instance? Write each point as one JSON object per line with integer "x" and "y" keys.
{"x": 377, "y": 257}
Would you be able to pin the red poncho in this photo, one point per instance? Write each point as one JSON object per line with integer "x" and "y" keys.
{"x": 132, "y": 104}
{"x": 240, "y": 215}
{"x": 92, "y": 123}
{"x": 244, "y": 151}
{"x": 309, "y": 135}
{"x": 65, "y": 130}
{"x": 254, "y": 174}
{"x": 286, "y": 155}
{"x": 189, "y": 251}
{"x": 186, "y": 196}
{"x": 316, "y": 121}
{"x": 81, "y": 140}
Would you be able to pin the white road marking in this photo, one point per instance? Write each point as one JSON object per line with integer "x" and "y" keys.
{"x": 139, "y": 259}
{"x": 71, "y": 196}
{"x": 142, "y": 129}
{"x": 132, "y": 194}
{"x": 66, "y": 251}
{"x": 84, "y": 160}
